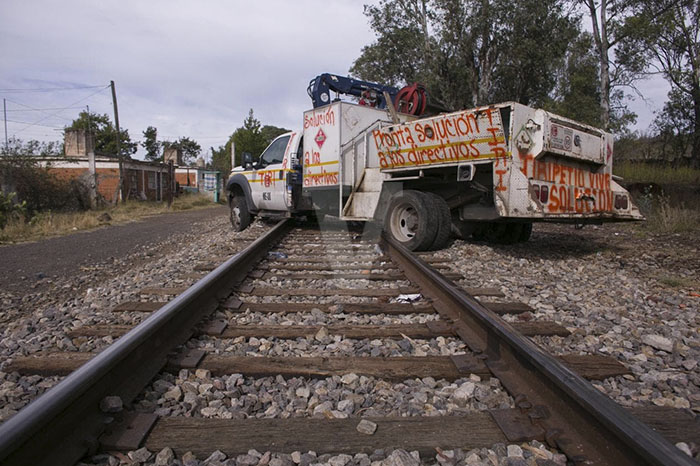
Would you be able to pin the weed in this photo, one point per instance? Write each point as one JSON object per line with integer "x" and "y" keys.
{"x": 50, "y": 223}
{"x": 639, "y": 172}
{"x": 662, "y": 217}
{"x": 677, "y": 282}
{"x": 9, "y": 209}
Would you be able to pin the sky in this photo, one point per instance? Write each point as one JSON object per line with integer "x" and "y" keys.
{"x": 189, "y": 68}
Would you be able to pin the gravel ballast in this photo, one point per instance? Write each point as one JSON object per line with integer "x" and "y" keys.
{"x": 639, "y": 307}
{"x": 621, "y": 293}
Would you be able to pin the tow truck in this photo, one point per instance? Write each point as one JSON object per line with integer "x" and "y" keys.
{"x": 394, "y": 158}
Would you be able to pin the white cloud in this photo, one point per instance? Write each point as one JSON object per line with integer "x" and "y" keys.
{"x": 189, "y": 68}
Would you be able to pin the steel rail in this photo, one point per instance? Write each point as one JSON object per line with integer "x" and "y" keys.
{"x": 63, "y": 425}
{"x": 585, "y": 424}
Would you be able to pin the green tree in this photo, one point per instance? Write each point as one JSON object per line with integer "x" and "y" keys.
{"x": 269, "y": 133}
{"x": 402, "y": 52}
{"x": 577, "y": 93}
{"x": 675, "y": 125}
{"x": 221, "y": 158}
{"x": 105, "y": 134}
{"x": 668, "y": 34}
{"x": 537, "y": 36}
{"x": 189, "y": 148}
{"x": 248, "y": 138}
{"x": 251, "y": 137}
{"x": 469, "y": 52}
{"x": 151, "y": 144}
{"x": 17, "y": 147}
{"x": 616, "y": 25}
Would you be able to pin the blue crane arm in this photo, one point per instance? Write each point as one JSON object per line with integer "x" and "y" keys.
{"x": 320, "y": 87}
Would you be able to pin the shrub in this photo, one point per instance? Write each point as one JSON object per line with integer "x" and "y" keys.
{"x": 9, "y": 209}
{"x": 662, "y": 217}
{"x": 38, "y": 189}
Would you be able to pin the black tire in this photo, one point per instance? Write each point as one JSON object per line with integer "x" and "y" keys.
{"x": 444, "y": 227}
{"x": 505, "y": 233}
{"x": 462, "y": 229}
{"x": 411, "y": 220}
{"x": 525, "y": 233}
{"x": 481, "y": 231}
{"x": 239, "y": 215}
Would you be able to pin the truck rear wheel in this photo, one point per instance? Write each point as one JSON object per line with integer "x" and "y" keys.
{"x": 525, "y": 233}
{"x": 506, "y": 233}
{"x": 444, "y": 226}
{"x": 240, "y": 215}
{"x": 412, "y": 220}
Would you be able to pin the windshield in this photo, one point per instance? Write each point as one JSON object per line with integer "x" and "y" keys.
{"x": 275, "y": 152}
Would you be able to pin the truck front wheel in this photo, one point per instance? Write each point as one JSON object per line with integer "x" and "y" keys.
{"x": 240, "y": 215}
{"x": 411, "y": 221}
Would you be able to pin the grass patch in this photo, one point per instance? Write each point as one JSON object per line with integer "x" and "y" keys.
{"x": 640, "y": 172}
{"x": 662, "y": 217}
{"x": 47, "y": 224}
{"x": 677, "y": 282}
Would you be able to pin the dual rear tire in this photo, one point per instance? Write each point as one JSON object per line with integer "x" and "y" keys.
{"x": 418, "y": 220}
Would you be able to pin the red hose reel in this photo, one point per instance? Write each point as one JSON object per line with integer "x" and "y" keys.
{"x": 412, "y": 99}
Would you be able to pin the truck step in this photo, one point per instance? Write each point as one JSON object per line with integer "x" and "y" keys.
{"x": 372, "y": 180}
{"x": 362, "y": 204}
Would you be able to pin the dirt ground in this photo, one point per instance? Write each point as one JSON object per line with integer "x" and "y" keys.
{"x": 31, "y": 267}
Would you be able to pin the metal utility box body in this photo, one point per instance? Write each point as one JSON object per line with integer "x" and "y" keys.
{"x": 543, "y": 166}
{"x": 336, "y": 138}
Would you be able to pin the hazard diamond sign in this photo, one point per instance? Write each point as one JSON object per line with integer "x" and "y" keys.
{"x": 320, "y": 138}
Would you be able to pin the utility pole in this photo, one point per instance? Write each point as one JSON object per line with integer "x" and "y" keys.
{"x": 4, "y": 111}
{"x": 120, "y": 186}
{"x": 92, "y": 166}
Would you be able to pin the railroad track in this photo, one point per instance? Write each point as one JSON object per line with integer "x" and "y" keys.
{"x": 386, "y": 319}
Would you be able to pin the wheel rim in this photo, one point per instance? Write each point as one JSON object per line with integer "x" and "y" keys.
{"x": 236, "y": 217}
{"x": 404, "y": 222}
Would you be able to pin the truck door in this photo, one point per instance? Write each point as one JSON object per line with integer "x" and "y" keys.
{"x": 270, "y": 177}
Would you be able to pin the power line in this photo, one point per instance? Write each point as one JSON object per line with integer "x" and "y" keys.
{"x": 39, "y": 109}
{"x": 48, "y": 89}
{"x": 33, "y": 124}
{"x": 195, "y": 137}
{"x": 70, "y": 105}
{"x": 30, "y": 108}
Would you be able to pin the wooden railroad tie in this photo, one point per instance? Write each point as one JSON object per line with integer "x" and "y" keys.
{"x": 360, "y": 292}
{"x": 298, "y": 258}
{"x": 236, "y": 305}
{"x": 334, "y": 436}
{"x": 331, "y": 266}
{"x": 595, "y": 367}
{"x": 347, "y": 276}
{"x": 327, "y": 267}
{"x": 221, "y": 329}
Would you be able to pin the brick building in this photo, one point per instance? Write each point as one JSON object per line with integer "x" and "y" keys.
{"x": 142, "y": 180}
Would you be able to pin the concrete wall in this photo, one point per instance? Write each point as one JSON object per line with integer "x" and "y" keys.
{"x": 173, "y": 154}
{"x": 78, "y": 143}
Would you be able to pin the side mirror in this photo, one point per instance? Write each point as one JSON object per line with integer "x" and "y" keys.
{"x": 247, "y": 160}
